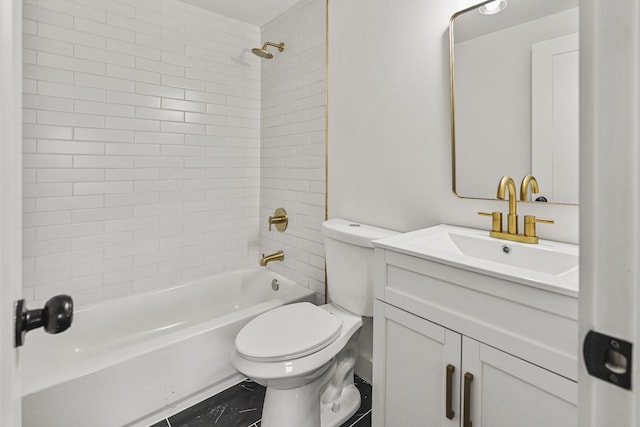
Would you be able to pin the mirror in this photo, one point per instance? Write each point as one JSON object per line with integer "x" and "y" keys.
{"x": 514, "y": 97}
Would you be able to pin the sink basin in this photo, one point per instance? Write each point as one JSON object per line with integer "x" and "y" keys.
{"x": 544, "y": 258}
{"x": 548, "y": 264}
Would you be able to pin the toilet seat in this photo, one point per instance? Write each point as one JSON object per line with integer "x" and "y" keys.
{"x": 288, "y": 332}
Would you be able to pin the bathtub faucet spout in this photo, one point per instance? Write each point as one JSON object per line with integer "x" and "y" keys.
{"x": 278, "y": 256}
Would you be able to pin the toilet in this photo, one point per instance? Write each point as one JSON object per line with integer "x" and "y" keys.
{"x": 305, "y": 354}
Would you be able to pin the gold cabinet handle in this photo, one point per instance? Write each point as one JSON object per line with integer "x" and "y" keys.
{"x": 466, "y": 416}
{"x": 449, "y": 397}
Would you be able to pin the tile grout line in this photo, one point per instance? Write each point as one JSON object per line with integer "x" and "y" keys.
{"x": 358, "y": 420}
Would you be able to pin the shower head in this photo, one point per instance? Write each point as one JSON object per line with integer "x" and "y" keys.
{"x": 264, "y": 53}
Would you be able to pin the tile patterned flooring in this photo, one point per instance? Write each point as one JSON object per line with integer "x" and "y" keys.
{"x": 241, "y": 406}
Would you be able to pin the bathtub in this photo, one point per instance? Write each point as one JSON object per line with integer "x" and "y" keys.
{"x": 132, "y": 361}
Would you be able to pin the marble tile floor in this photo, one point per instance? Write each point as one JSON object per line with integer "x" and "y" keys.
{"x": 241, "y": 406}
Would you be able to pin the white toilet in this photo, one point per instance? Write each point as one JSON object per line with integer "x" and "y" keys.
{"x": 305, "y": 354}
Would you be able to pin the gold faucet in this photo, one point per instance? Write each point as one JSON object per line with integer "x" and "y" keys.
{"x": 278, "y": 256}
{"x": 512, "y": 219}
{"x": 524, "y": 187}
{"x": 529, "y": 236}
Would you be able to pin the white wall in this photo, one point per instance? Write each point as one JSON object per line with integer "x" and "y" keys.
{"x": 141, "y": 145}
{"x": 293, "y": 142}
{"x": 388, "y": 124}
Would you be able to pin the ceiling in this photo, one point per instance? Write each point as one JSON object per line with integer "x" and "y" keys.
{"x": 257, "y": 12}
{"x": 517, "y": 12}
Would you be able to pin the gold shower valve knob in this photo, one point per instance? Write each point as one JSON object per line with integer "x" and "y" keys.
{"x": 279, "y": 219}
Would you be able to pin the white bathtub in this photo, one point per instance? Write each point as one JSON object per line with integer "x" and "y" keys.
{"x": 135, "y": 360}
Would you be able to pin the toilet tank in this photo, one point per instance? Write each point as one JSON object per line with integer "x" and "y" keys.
{"x": 349, "y": 257}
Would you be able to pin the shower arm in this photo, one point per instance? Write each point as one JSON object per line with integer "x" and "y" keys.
{"x": 279, "y": 46}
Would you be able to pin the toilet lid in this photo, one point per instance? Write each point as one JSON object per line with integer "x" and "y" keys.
{"x": 288, "y": 332}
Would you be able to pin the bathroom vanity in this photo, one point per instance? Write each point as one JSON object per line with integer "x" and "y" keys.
{"x": 471, "y": 330}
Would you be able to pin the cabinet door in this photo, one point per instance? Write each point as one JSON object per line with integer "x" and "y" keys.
{"x": 509, "y": 392}
{"x": 411, "y": 356}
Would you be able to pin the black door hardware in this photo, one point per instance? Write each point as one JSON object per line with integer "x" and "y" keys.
{"x": 55, "y": 317}
{"x": 608, "y": 358}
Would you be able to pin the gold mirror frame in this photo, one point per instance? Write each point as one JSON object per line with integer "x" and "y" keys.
{"x": 452, "y": 97}
{"x": 452, "y": 105}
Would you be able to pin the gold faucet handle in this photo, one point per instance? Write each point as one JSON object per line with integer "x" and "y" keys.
{"x": 496, "y": 220}
{"x": 280, "y": 219}
{"x": 277, "y": 220}
{"x": 530, "y": 224}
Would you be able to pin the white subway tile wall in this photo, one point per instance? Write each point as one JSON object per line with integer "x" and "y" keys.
{"x": 293, "y": 142}
{"x": 142, "y": 146}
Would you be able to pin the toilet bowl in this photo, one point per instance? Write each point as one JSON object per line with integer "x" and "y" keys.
{"x": 305, "y": 354}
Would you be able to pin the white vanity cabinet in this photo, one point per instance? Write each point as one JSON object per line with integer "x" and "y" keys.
{"x": 411, "y": 356}
{"x": 437, "y": 327}
{"x": 508, "y": 391}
